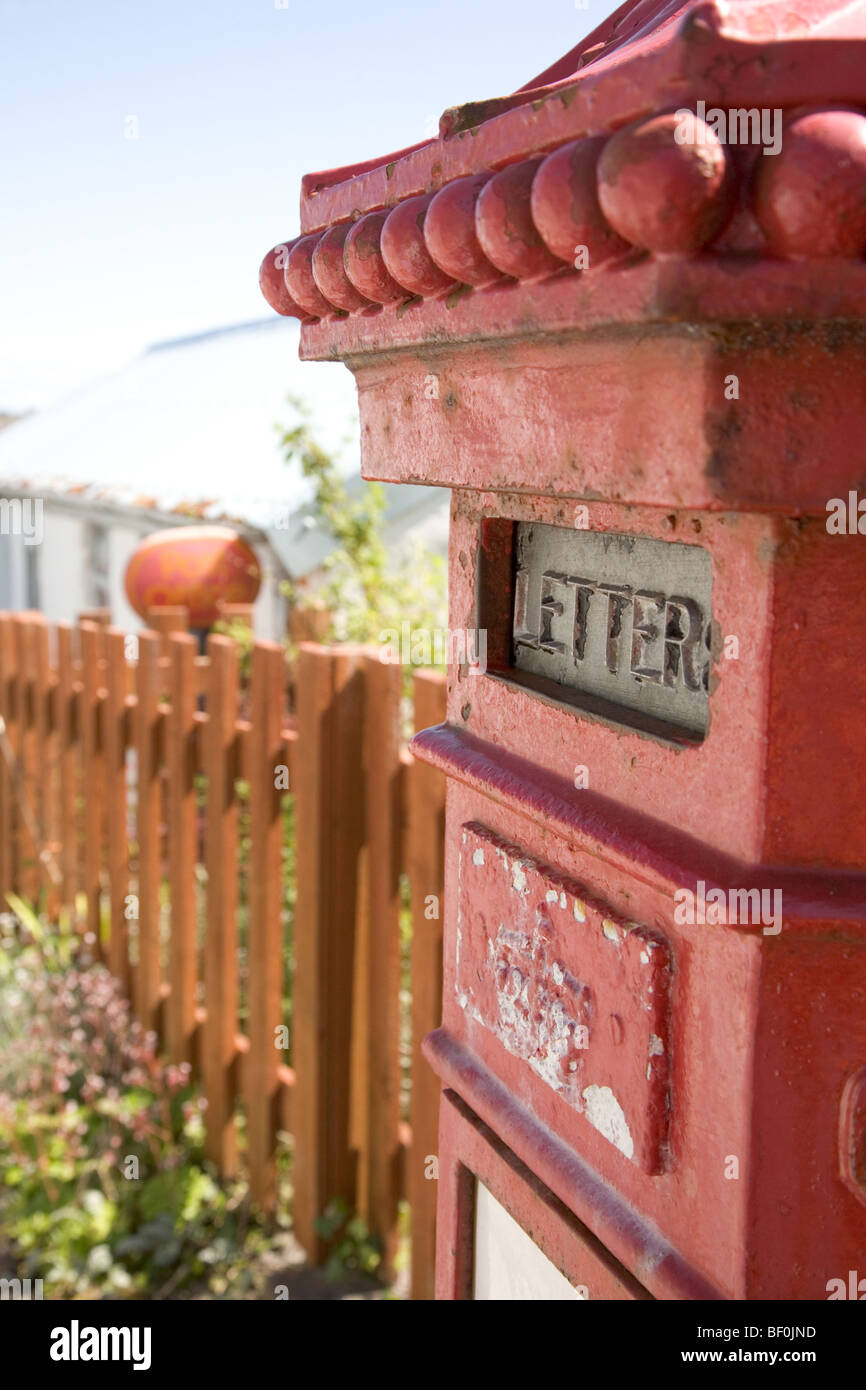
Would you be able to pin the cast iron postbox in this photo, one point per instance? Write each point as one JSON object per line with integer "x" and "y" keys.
{"x": 621, "y": 314}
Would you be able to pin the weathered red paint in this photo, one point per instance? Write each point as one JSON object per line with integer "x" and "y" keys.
{"x": 365, "y": 266}
{"x": 272, "y": 282}
{"x": 329, "y": 270}
{"x": 300, "y": 280}
{"x": 503, "y": 220}
{"x": 661, "y": 195}
{"x": 538, "y": 937}
{"x": 565, "y": 206}
{"x": 449, "y": 231}
{"x": 701, "y": 381}
{"x": 811, "y": 198}
{"x": 474, "y": 1152}
{"x": 404, "y": 249}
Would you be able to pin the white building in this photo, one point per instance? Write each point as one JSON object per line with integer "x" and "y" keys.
{"x": 187, "y": 432}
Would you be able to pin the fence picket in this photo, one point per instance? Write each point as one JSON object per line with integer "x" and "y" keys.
{"x": 93, "y": 774}
{"x": 264, "y": 991}
{"x": 28, "y": 788}
{"x": 221, "y": 985}
{"x": 115, "y": 727}
{"x": 147, "y": 824}
{"x": 68, "y": 759}
{"x": 180, "y": 754}
{"x": 329, "y": 809}
{"x": 46, "y": 745}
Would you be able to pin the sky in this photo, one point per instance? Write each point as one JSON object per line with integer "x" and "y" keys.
{"x": 151, "y": 151}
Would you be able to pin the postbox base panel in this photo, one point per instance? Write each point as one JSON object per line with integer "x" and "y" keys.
{"x": 503, "y": 1234}
{"x": 487, "y": 1136}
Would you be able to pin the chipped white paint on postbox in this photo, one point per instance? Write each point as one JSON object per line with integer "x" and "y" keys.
{"x": 580, "y": 995}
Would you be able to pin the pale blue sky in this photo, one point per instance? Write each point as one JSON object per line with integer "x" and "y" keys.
{"x": 108, "y": 243}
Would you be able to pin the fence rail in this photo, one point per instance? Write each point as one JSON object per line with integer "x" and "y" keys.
{"x": 148, "y": 782}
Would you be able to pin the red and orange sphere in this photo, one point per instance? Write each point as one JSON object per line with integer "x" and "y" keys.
{"x": 196, "y": 567}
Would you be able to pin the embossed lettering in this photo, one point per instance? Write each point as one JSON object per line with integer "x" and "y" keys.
{"x": 586, "y": 618}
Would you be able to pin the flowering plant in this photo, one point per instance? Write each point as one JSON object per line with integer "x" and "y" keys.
{"x": 104, "y": 1189}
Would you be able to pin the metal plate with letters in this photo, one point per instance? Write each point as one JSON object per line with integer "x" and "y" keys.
{"x": 621, "y": 622}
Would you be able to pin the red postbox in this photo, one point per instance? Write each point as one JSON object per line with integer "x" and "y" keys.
{"x": 622, "y": 314}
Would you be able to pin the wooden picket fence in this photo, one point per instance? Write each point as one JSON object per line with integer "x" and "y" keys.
{"x": 148, "y": 781}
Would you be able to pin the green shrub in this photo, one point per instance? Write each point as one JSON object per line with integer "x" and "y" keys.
{"x": 105, "y": 1191}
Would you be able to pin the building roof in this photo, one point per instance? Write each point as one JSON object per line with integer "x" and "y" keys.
{"x": 189, "y": 427}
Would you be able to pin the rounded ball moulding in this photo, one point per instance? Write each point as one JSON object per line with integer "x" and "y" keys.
{"x": 404, "y": 249}
{"x": 565, "y": 208}
{"x": 449, "y": 231}
{"x": 503, "y": 220}
{"x": 299, "y": 278}
{"x": 810, "y": 198}
{"x": 362, "y": 258}
{"x": 329, "y": 271}
{"x": 272, "y": 282}
{"x": 663, "y": 184}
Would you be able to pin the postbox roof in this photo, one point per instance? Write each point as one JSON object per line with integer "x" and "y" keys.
{"x": 624, "y": 67}
{"x": 689, "y": 221}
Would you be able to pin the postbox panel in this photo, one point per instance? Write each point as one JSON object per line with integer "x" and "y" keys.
{"x": 503, "y": 1234}
{"x": 616, "y": 621}
{"x": 508, "y": 1264}
{"x": 580, "y": 995}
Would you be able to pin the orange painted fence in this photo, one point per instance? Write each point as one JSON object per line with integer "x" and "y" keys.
{"x": 148, "y": 782}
